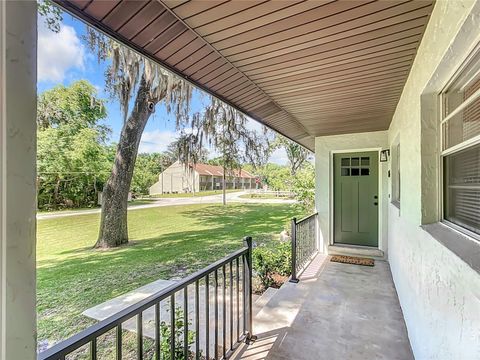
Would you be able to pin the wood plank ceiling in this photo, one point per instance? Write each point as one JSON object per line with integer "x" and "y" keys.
{"x": 304, "y": 68}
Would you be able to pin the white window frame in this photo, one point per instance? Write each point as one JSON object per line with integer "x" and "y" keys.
{"x": 395, "y": 173}
{"x": 458, "y": 147}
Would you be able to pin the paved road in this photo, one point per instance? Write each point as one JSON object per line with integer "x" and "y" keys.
{"x": 211, "y": 199}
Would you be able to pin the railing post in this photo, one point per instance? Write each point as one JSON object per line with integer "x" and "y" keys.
{"x": 293, "y": 235}
{"x": 249, "y": 338}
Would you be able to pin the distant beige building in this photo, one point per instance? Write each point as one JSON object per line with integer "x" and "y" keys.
{"x": 179, "y": 178}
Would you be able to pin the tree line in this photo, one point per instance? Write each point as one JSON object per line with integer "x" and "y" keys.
{"x": 74, "y": 158}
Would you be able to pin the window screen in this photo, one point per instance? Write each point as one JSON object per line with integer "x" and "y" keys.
{"x": 460, "y": 128}
{"x": 462, "y": 188}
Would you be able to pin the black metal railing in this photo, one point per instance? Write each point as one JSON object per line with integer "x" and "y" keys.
{"x": 232, "y": 273}
{"x": 304, "y": 243}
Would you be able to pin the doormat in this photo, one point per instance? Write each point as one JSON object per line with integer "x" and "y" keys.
{"x": 353, "y": 260}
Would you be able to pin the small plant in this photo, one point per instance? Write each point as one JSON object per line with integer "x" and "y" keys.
{"x": 165, "y": 333}
{"x": 272, "y": 264}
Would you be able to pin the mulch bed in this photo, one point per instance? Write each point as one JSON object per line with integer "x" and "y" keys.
{"x": 353, "y": 260}
{"x": 279, "y": 280}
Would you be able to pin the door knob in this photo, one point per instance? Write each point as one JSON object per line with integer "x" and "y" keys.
{"x": 375, "y": 203}
{"x": 375, "y": 197}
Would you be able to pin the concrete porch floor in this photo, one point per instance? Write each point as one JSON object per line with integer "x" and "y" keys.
{"x": 336, "y": 311}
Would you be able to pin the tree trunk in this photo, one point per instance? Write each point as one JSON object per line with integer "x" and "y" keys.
{"x": 193, "y": 179}
{"x": 113, "y": 223}
{"x": 56, "y": 192}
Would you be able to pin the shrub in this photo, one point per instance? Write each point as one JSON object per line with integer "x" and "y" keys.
{"x": 304, "y": 189}
{"x": 165, "y": 332}
{"x": 269, "y": 262}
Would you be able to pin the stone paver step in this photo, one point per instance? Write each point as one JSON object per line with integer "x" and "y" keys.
{"x": 263, "y": 300}
{"x": 113, "y": 306}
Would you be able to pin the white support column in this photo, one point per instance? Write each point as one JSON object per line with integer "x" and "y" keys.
{"x": 18, "y": 62}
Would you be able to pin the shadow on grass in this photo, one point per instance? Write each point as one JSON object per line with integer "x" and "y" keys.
{"x": 242, "y": 220}
{"x": 162, "y": 256}
{"x": 224, "y": 223}
{"x": 86, "y": 277}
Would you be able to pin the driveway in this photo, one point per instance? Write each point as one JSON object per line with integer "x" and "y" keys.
{"x": 211, "y": 199}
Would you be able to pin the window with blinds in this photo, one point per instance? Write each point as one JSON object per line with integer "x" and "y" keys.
{"x": 460, "y": 128}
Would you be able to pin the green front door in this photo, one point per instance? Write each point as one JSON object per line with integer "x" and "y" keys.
{"x": 356, "y": 198}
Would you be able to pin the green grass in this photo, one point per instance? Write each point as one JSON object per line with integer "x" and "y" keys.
{"x": 130, "y": 204}
{"x": 166, "y": 242}
{"x": 44, "y": 211}
{"x": 264, "y": 196}
{"x": 201, "y": 193}
{"x": 137, "y": 202}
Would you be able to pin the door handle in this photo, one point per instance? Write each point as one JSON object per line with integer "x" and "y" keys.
{"x": 375, "y": 203}
{"x": 375, "y": 197}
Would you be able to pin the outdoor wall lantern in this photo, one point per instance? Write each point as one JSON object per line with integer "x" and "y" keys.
{"x": 384, "y": 155}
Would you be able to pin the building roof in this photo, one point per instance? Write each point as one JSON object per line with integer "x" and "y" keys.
{"x": 303, "y": 68}
{"x": 205, "y": 169}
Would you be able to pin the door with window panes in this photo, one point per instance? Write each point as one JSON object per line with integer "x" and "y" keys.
{"x": 460, "y": 127}
{"x": 356, "y": 198}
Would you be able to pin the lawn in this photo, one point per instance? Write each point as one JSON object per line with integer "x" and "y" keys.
{"x": 264, "y": 196}
{"x": 201, "y": 193}
{"x": 166, "y": 242}
{"x": 132, "y": 203}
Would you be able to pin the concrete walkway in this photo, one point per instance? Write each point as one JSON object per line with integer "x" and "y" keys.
{"x": 336, "y": 311}
{"x": 211, "y": 199}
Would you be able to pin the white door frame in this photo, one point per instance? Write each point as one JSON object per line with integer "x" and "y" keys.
{"x": 381, "y": 199}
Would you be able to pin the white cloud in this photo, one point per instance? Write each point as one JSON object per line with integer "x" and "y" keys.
{"x": 156, "y": 141}
{"x": 58, "y": 52}
{"x": 279, "y": 157}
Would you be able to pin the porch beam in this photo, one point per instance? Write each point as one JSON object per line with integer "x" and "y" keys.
{"x": 18, "y": 61}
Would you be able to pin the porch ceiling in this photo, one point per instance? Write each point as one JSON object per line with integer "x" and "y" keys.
{"x": 304, "y": 68}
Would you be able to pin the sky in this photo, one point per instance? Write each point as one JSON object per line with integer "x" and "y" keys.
{"x": 64, "y": 58}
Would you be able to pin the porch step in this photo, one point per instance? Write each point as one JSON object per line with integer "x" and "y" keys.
{"x": 269, "y": 298}
{"x": 360, "y": 251}
{"x": 278, "y": 313}
{"x": 261, "y": 301}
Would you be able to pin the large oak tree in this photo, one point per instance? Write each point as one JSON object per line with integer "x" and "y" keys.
{"x": 139, "y": 85}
